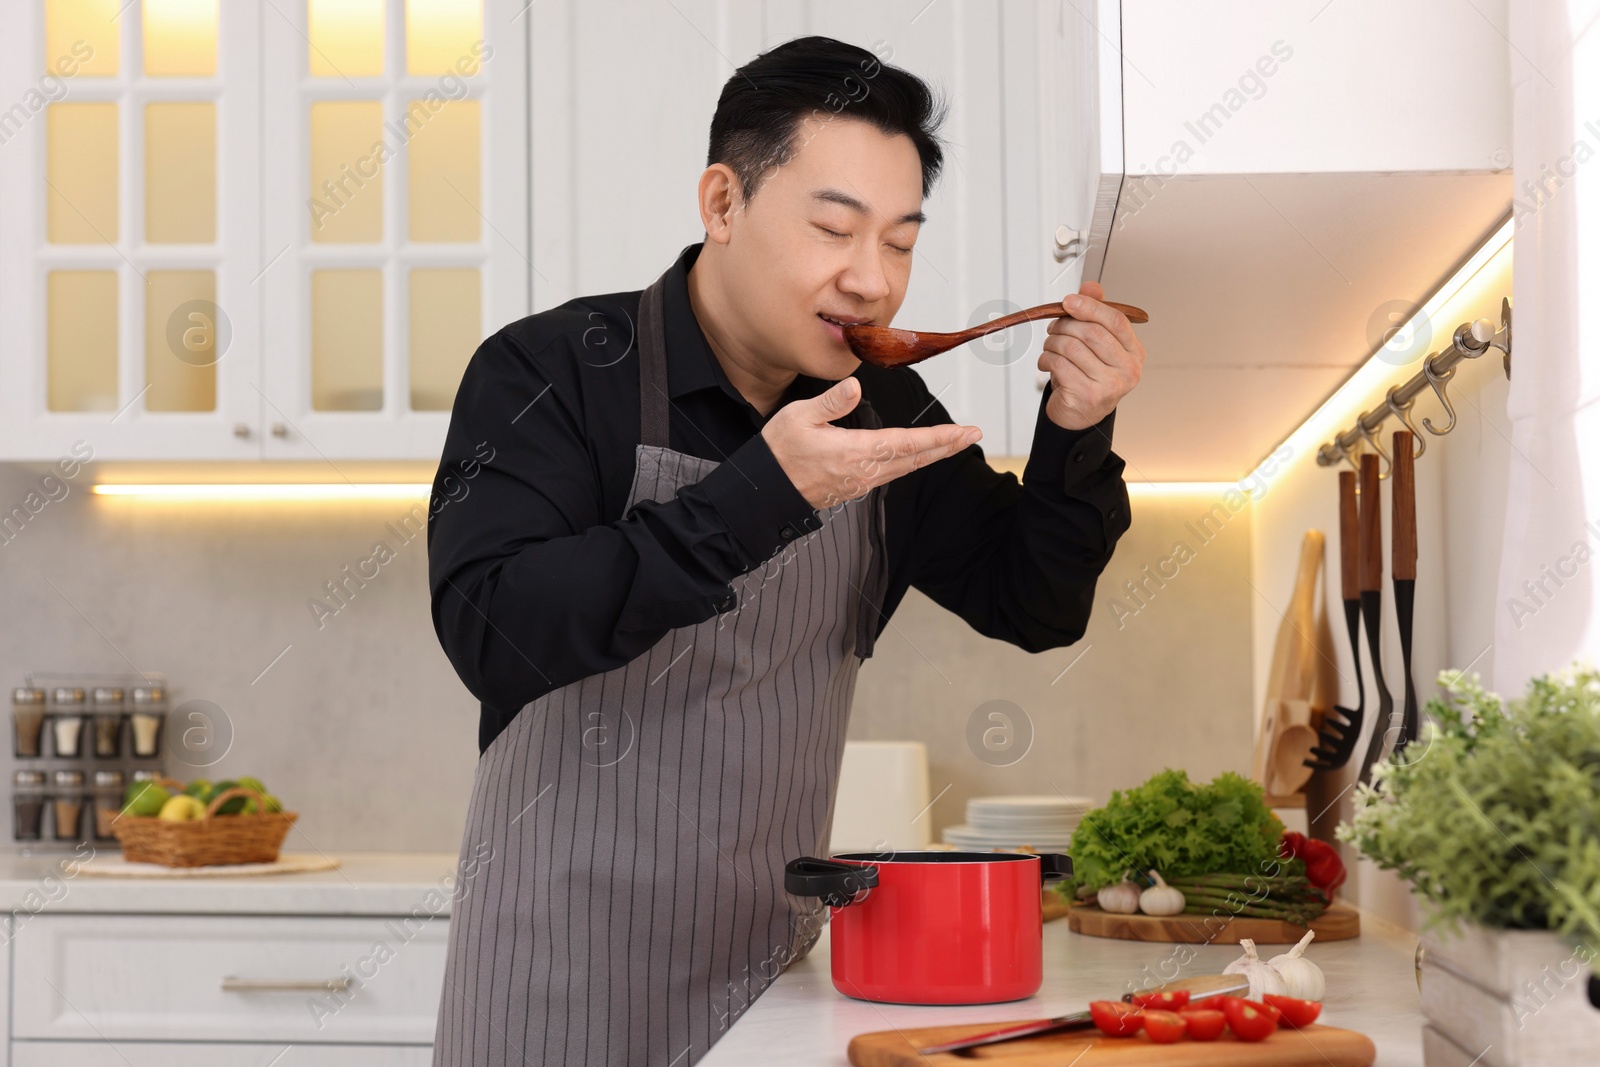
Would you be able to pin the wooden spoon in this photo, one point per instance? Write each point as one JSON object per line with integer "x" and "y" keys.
{"x": 885, "y": 346}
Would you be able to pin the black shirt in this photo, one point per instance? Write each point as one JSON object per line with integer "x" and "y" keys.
{"x": 538, "y": 579}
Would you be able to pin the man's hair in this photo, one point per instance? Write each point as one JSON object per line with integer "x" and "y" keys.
{"x": 755, "y": 128}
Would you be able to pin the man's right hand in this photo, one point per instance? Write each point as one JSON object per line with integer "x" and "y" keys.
{"x": 830, "y": 465}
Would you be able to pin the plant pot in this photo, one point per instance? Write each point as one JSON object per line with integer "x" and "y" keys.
{"x": 1507, "y": 998}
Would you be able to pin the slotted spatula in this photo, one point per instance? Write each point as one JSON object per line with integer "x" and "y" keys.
{"x": 1341, "y": 728}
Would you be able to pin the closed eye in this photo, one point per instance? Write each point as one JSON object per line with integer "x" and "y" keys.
{"x": 832, "y": 233}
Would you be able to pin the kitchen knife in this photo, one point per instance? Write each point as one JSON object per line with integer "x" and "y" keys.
{"x": 1200, "y": 988}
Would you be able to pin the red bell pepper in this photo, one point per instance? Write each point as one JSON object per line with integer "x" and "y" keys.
{"x": 1324, "y": 868}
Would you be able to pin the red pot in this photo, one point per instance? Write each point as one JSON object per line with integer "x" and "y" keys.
{"x": 933, "y": 927}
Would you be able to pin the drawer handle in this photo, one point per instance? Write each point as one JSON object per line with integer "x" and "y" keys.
{"x": 263, "y": 985}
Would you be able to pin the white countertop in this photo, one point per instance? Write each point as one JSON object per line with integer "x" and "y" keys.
{"x": 365, "y": 883}
{"x": 801, "y": 1019}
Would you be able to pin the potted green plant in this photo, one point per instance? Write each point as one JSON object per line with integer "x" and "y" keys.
{"x": 1493, "y": 817}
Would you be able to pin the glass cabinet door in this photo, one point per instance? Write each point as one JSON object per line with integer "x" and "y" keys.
{"x": 135, "y": 321}
{"x": 397, "y": 192}
{"x": 255, "y": 229}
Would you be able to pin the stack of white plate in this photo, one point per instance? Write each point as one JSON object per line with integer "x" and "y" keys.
{"x": 1044, "y": 823}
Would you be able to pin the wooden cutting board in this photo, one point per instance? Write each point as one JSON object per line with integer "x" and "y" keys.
{"x": 1339, "y": 923}
{"x": 1316, "y": 1046}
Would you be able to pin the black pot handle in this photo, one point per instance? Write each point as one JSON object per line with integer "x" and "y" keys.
{"x": 838, "y": 884}
{"x": 1054, "y": 866}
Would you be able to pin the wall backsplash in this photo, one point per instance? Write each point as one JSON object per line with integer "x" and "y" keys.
{"x": 1165, "y": 684}
{"x": 357, "y": 720}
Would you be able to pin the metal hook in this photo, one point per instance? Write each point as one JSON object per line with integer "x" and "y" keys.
{"x": 1438, "y": 381}
{"x": 1388, "y": 464}
{"x": 1403, "y": 413}
{"x": 1344, "y": 454}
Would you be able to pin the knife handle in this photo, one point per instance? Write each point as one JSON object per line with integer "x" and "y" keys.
{"x": 1371, "y": 519}
{"x": 1349, "y": 538}
{"x": 1403, "y": 512}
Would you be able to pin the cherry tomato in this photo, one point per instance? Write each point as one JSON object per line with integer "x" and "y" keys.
{"x": 1170, "y": 1000}
{"x": 1116, "y": 1019}
{"x": 1249, "y": 1020}
{"x": 1203, "y": 1024}
{"x": 1164, "y": 1027}
{"x": 1296, "y": 1013}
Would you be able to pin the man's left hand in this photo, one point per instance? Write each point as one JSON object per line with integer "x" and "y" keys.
{"x": 1093, "y": 357}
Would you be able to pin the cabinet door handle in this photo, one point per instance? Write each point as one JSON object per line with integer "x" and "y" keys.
{"x": 280, "y": 430}
{"x": 1068, "y": 243}
{"x": 241, "y": 430}
{"x": 264, "y": 985}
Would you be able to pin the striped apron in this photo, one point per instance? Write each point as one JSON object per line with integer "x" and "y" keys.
{"x": 619, "y": 898}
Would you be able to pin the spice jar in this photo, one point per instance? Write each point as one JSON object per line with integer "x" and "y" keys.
{"x": 27, "y": 805}
{"x": 107, "y": 802}
{"x": 66, "y": 722}
{"x": 149, "y": 709}
{"x": 67, "y": 805}
{"x": 27, "y": 720}
{"x": 106, "y": 707}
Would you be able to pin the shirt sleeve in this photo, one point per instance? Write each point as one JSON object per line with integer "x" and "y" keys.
{"x": 533, "y": 586}
{"x": 1019, "y": 560}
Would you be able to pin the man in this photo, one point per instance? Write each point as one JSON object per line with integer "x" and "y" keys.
{"x": 699, "y": 511}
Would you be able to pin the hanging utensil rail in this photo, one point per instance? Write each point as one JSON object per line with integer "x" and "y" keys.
{"x": 1471, "y": 340}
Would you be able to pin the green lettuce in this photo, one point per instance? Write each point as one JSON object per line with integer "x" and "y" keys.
{"x": 1178, "y": 828}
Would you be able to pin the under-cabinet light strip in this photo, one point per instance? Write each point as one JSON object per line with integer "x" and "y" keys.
{"x": 268, "y": 490}
{"x": 1359, "y": 389}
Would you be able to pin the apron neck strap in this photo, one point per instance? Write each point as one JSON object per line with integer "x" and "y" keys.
{"x": 653, "y": 402}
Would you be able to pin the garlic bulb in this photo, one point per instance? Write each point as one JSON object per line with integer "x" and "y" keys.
{"x": 1161, "y": 898}
{"x": 1121, "y": 898}
{"x": 1302, "y": 978}
{"x": 1263, "y": 979}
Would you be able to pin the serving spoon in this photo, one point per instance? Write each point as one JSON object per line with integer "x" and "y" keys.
{"x": 885, "y": 346}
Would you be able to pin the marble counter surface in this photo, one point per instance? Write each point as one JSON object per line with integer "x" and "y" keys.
{"x": 801, "y": 1019}
{"x": 365, "y": 883}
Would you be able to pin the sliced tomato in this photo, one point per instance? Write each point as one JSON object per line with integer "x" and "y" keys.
{"x": 1164, "y": 1027}
{"x": 1116, "y": 1019}
{"x": 1204, "y": 1024}
{"x": 1168, "y": 1000}
{"x": 1250, "y": 1020}
{"x": 1296, "y": 1013}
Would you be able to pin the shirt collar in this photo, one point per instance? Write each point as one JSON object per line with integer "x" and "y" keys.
{"x": 691, "y": 365}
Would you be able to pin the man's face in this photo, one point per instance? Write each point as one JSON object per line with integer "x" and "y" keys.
{"x": 829, "y": 234}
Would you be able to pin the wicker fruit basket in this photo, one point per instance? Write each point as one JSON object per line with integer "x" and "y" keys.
{"x": 214, "y": 839}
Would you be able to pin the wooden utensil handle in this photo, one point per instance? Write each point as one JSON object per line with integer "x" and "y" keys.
{"x": 1403, "y": 510}
{"x": 1056, "y": 311}
{"x": 1371, "y": 519}
{"x": 1349, "y": 538}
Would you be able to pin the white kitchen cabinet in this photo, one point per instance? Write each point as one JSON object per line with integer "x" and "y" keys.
{"x": 387, "y": 274}
{"x": 210, "y": 978}
{"x": 987, "y": 247}
{"x": 92, "y": 269}
{"x": 197, "y": 1054}
{"x": 179, "y": 285}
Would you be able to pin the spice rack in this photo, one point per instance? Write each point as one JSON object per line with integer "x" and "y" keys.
{"x": 78, "y": 741}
